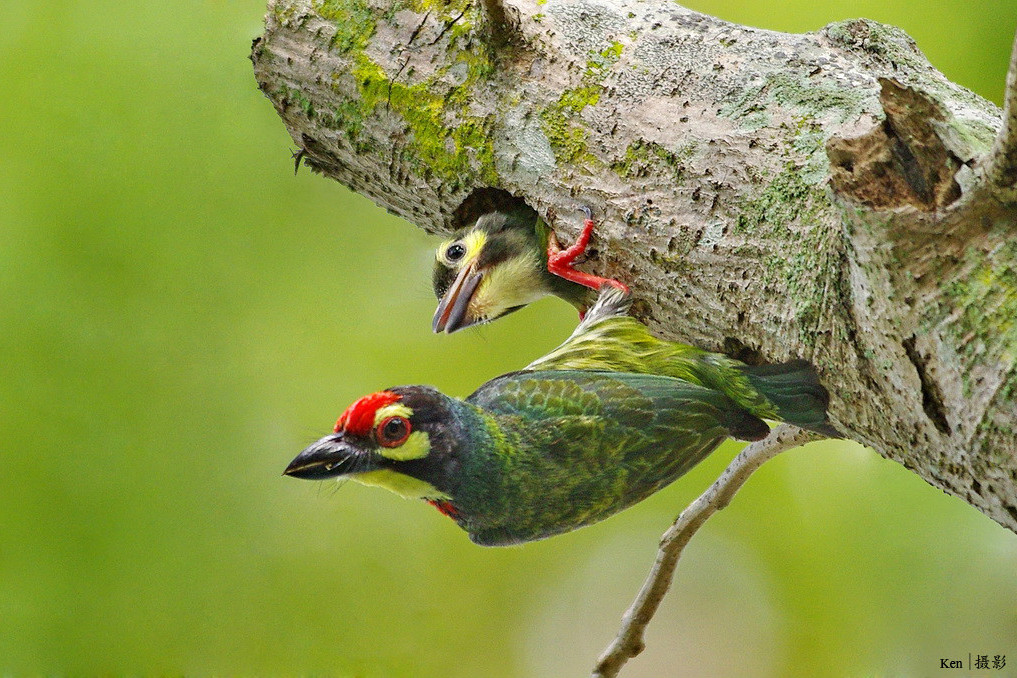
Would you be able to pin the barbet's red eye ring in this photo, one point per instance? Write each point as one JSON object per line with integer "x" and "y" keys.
{"x": 392, "y": 431}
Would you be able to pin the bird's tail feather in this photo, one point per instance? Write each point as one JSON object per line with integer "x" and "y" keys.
{"x": 795, "y": 389}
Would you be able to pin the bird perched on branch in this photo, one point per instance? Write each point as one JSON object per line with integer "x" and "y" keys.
{"x": 553, "y": 448}
{"x": 505, "y": 261}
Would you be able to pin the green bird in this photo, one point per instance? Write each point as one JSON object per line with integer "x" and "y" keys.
{"x": 529, "y": 454}
{"x": 505, "y": 261}
{"x": 558, "y": 446}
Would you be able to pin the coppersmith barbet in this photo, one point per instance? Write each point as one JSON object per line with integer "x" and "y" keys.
{"x": 529, "y": 454}
{"x": 503, "y": 262}
{"x": 542, "y": 451}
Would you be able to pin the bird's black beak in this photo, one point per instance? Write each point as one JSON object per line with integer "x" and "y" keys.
{"x": 330, "y": 457}
{"x": 452, "y": 309}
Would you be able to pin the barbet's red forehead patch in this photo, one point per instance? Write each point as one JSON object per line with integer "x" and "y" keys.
{"x": 359, "y": 417}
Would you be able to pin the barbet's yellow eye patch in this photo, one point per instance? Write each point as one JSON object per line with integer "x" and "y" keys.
{"x": 456, "y": 253}
{"x": 394, "y": 410}
{"x": 401, "y": 446}
{"x": 417, "y": 446}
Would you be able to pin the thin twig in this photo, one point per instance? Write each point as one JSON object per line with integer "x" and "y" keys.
{"x": 629, "y": 641}
{"x": 1002, "y": 163}
{"x": 297, "y": 156}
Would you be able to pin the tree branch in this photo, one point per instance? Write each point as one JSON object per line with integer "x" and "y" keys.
{"x": 1002, "y": 164}
{"x": 827, "y": 196}
{"x": 629, "y": 641}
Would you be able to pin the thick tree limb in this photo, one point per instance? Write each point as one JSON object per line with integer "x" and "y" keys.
{"x": 629, "y": 641}
{"x": 829, "y": 195}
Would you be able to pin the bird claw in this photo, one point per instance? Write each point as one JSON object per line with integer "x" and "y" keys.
{"x": 559, "y": 261}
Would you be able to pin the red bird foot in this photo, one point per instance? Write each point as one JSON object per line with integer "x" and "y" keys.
{"x": 559, "y": 261}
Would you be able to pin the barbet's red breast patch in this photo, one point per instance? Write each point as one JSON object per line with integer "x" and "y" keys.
{"x": 445, "y": 507}
{"x": 359, "y": 417}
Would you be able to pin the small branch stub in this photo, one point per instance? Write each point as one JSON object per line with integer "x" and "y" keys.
{"x": 1002, "y": 164}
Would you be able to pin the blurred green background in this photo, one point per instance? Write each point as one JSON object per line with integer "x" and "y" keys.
{"x": 181, "y": 315}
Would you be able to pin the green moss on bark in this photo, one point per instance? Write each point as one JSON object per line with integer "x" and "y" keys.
{"x": 643, "y": 157}
{"x": 787, "y": 208}
{"x": 560, "y": 120}
{"x": 443, "y": 139}
{"x": 354, "y": 21}
{"x": 453, "y": 150}
{"x": 980, "y": 311}
{"x": 810, "y": 98}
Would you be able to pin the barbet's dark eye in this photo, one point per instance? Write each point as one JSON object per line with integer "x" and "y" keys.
{"x": 455, "y": 252}
{"x": 393, "y": 432}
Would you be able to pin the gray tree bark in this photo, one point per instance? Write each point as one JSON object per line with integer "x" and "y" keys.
{"x": 829, "y": 196}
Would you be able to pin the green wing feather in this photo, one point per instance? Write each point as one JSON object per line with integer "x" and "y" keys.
{"x": 610, "y": 340}
{"x": 571, "y": 448}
